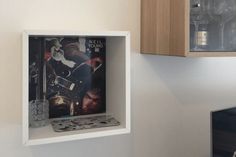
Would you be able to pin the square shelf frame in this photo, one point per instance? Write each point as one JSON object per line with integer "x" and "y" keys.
{"x": 117, "y": 89}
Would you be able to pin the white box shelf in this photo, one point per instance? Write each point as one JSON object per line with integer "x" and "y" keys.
{"x": 117, "y": 89}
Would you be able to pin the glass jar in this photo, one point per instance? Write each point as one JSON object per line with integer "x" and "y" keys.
{"x": 38, "y": 113}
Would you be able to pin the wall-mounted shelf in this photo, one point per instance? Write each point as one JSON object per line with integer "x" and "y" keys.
{"x": 117, "y": 89}
{"x": 166, "y": 29}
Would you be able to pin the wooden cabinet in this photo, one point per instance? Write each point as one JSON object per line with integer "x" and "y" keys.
{"x": 166, "y": 29}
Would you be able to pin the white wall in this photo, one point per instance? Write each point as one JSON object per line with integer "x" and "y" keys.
{"x": 172, "y": 100}
{"x": 171, "y": 96}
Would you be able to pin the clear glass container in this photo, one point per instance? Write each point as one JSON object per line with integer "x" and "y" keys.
{"x": 199, "y": 20}
{"x": 38, "y": 113}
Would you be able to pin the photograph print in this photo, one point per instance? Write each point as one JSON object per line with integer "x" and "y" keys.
{"x": 68, "y": 71}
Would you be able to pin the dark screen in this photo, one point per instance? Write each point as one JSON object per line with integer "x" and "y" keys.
{"x": 224, "y": 133}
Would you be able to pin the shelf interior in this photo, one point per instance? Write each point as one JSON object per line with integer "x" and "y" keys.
{"x": 115, "y": 99}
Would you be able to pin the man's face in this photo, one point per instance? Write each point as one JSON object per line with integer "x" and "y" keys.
{"x": 91, "y": 102}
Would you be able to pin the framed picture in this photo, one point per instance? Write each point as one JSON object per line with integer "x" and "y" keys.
{"x": 69, "y": 72}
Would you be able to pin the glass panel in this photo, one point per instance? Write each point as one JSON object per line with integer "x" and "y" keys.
{"x": 213, "y": 25}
